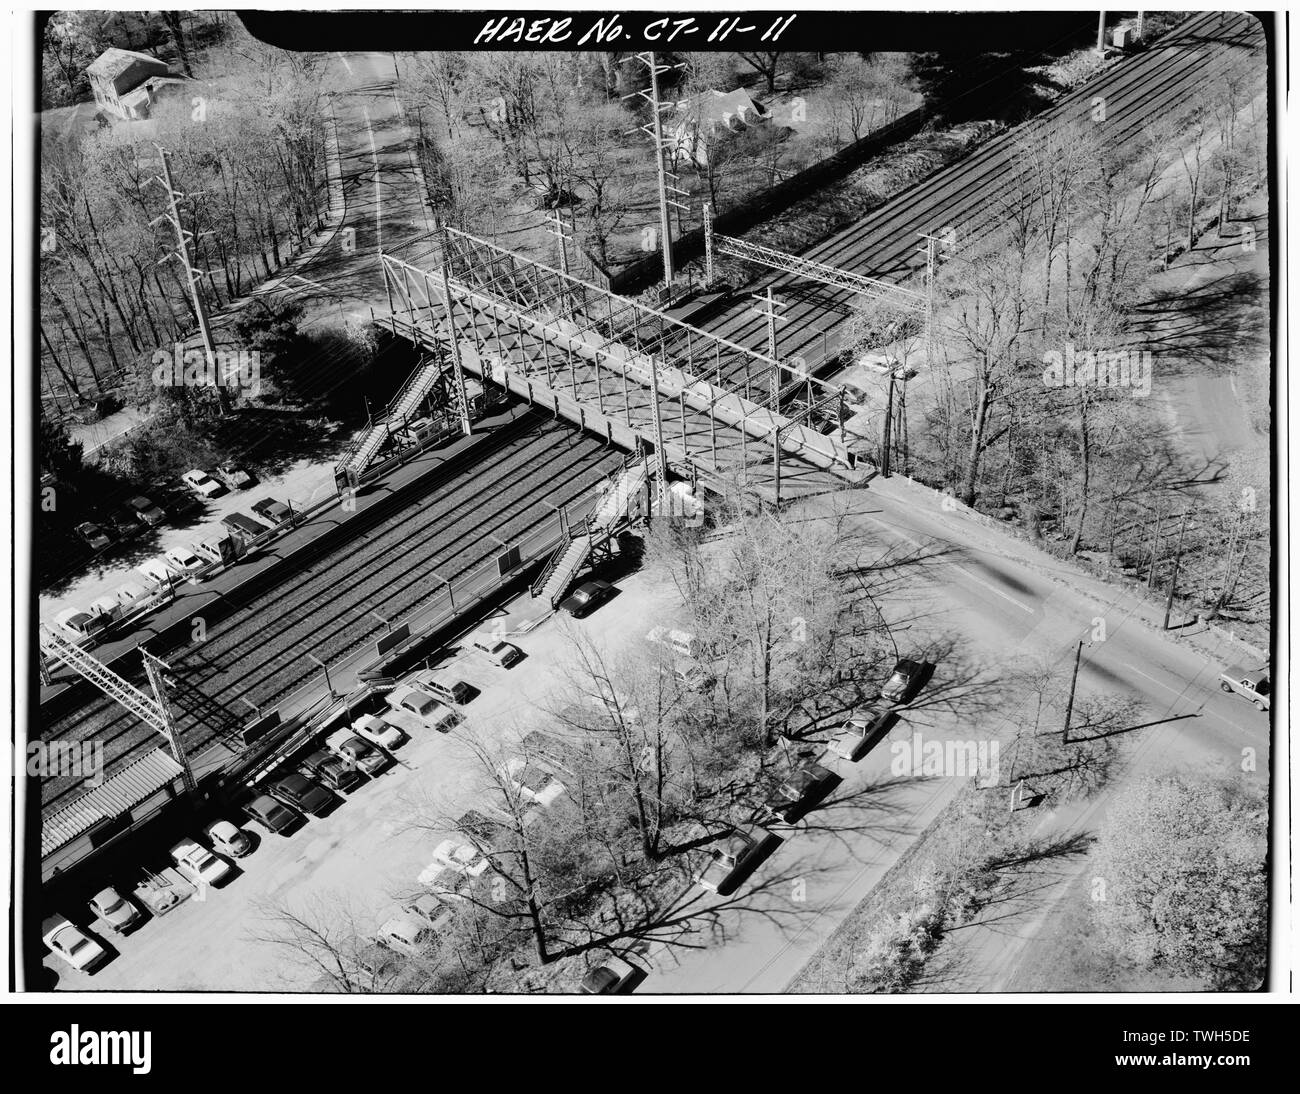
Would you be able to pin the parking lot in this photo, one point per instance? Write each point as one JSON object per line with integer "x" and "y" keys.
{"x": 361, "y": 859}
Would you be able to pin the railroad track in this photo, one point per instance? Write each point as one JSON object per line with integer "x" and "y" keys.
{"x": 260, "y": 652}
{"x": 965, "y": 195}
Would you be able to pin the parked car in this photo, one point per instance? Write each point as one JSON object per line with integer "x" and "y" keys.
{"x": 219, "y": 549}
{"x": 273, "y": 513}
{"x": 615, "y": 977}
{"x": 114, "y": 909}
{"x": 690, "y": 677}
{"x": 300, "y": 792}
{"x": 184, "y": 561}
{"x": 68, "y": 942}
{"x": 414, "y": 710}
{"x": 680, "y": 642}
{"x": 586, "y": 598}
{"x": 156, "y": 572}
{"x": 455, "y": 856}
{"x": 736, "y": 858}
{"x": 159, "y": 894}
{"x": 146, "y": 512}
{"x": 374, "y": 729}
{"x": 862, "y": 729}
{"x": 234, "y": 476}
{"x": 408, "y": 935}
{"x": 908, "y": 678}
{"x": 93, "y": 535}
{"x": 886, "y": 363}
{"x": 483, "y": 830}
{"x": 800, "y": 791}
{"x": 108, "y": 608}
{"x": 494, "y": 649}
{"x": 81, "y": 626}
{"x": 432, "y": 910}
{"x": 203, "y": 484}
{"x": 229, "y": 839}
{"x": 271, "y": 814}
{"x": 132, "y": 595}
{"x": 243, "y": 526}
{"x": 122, "y": 522}
{"x": 199, "y": 864}
{"x": 443, "y": 684}
{"x": 332, "y": 772}
{"x": 354, "y": 752}
{"x": 1251, "y": 684}
{"x": 533, "y": 782}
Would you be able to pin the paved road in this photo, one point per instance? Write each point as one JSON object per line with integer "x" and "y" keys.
{"x": 1012, "y": 606}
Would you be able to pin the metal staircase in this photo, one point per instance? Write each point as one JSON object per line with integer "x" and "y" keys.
{"x": 363, "y": 450}
{"x": 611, "y": 511}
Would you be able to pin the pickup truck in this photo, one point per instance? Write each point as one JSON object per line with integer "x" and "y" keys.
{"x": 199, "y": 864}
{"x": 740, "y": 853}
{"x": 413, "y": 711}
{"x": 1252, "y": 684}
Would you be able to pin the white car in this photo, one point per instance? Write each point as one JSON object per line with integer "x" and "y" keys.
{"x": 114, "y": 909}
{"x": 69, "y": 942}
{"x": 156, "y": 572}
{"x": 202, "y": 483}
{"x": 534, "y": 783}
{"x": 494, "y": 649}
{"x": 374, "y": 729}
{"x": 199, "y": 864}
{"x": 457, "y": 857}
{"x": 408, "y": 935}
{"x": 229, "y": 839}
{"x": 184, "y": 561}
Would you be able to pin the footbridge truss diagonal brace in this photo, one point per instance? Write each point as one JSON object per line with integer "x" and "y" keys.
{"x": 91, "y": 668}
{"x": 908, "y": 299}
{"x": 501, "y": 302}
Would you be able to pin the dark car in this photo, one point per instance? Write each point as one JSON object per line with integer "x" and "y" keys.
{"x": 234, "y": 476}
{"x": 93, "y": 535}
{"x": 615, "y": 978}
{"x": 271, "y": 814}
{"x": 122, "y": 522}
{"x": 482, "y": 830}
{"x": 909, "y": 677}
{"x": 146, "y": 512}
{"x": 300, "y": 792}
{"x": 587, "y": 597}
{"x": 273, "y": 512}
{"x": 736, "y": 857}
{"x": 245, "y": 527}
{"x": 330, "y": 770}
{"x": 801, "y": 791}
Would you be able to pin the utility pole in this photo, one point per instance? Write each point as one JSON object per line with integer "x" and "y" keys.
{"x": 1141, "y": 26}
{"x": 184, "y": 240}
{"x": 769, "y": 312}
{"x": 1101, "y": 32}
{"x": 889, "y": 418}
{"x": 1173, "y": 578}
{"x": 1155, "y": 547}
{"x": 154, "y": 667}
{"x": 655, "y": 131}
{"x": 1069, "y": 705}
{"x": 931, "y": 250}
{"x": 708, "y": 245}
